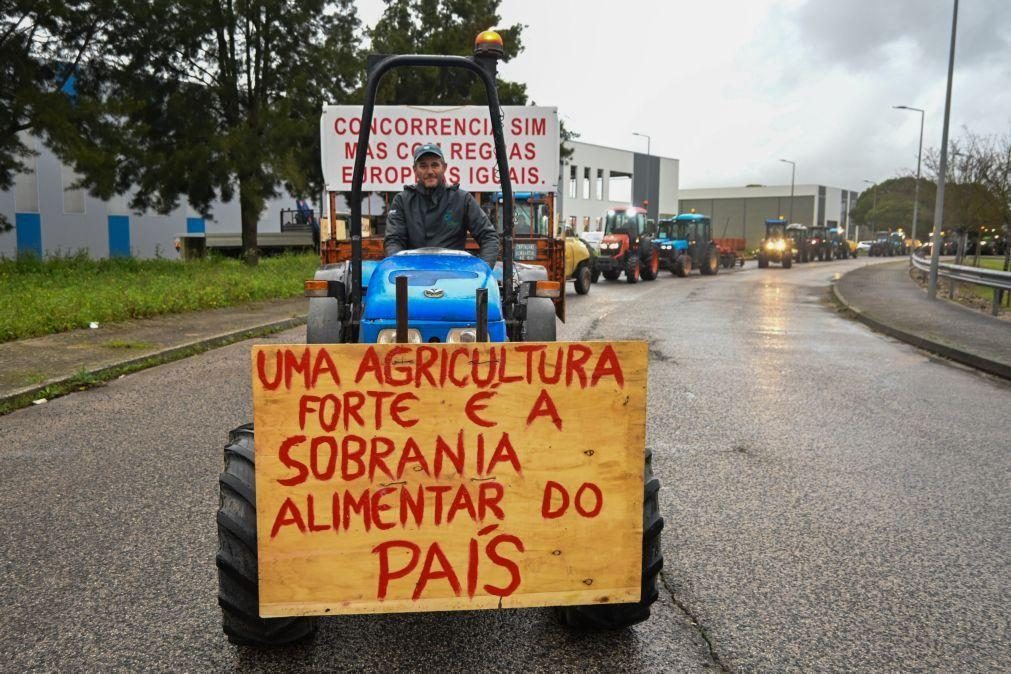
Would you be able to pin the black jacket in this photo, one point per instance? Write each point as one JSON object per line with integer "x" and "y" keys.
{"x": 440, "y": 218}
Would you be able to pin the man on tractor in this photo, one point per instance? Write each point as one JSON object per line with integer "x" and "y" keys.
{"x": 431, "y": 214}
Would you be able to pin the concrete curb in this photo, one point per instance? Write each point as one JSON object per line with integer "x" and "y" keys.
{"x": 167, "y": 355}
{"x": 993, "y": 367}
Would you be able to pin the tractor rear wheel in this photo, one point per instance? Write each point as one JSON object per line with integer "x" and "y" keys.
{"x": 611, "y": 274}
{"x": 238, "y": 592}
{"x": 763, "y": 262}
{"x": 619, "y": 616}
{"x": 584, "y": 277}
{"x": 323, "y": 325}
{"x": 652, "y": 268}
{"x": 539, "y": 325}
{"x": 787, "y": 261}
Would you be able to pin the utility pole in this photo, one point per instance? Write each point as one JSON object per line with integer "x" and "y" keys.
{"x": 916, "y": 190}
{"x": 935, "y": 254}
{"x": 793, "y": 175}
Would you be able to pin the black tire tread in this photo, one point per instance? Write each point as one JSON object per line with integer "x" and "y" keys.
{"x": 238, "y": 591}
{"x": 621, "y": 616}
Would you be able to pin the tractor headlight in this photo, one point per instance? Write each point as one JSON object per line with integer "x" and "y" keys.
{"x": 666, "y": 246}
{"x": 780, "y": 245}
{"x": 389, "y": 336}
{"x": 459, "y": 335}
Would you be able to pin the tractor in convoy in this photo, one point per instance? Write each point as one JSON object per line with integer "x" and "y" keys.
{"x": 888, "y": 244}
{"x": 438, "y": 300}
{"x": 820, "y": 244}
{"x": 534, "y": 215}
{"x": 686, "y": 242}
{"x": 777, "y": 246}
{"x": 627, "y": 247}
{"x": 840, "y": 246}
{"x": 798, "y": 233}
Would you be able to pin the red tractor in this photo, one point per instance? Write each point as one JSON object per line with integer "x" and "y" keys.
{"x": 628, "y": 247}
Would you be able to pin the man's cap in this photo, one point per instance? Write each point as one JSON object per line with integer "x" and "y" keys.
{"x": 428, "y": 148}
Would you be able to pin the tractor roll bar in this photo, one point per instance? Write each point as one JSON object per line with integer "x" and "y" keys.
{"x": 484, "y": 66}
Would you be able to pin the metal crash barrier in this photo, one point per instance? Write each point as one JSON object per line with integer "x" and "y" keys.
{"x": 1000, "y": 281}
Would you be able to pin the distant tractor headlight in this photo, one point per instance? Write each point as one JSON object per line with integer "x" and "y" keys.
{"x": 389, "y": 336}
{"x": 666, "y": 246}
{"x": 461, "y": 335}
{"x": 780, "y": 245}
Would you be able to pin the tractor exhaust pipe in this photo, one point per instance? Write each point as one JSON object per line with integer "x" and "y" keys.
{"x": 402, "y": 309}
{"x": 482, "y": 314}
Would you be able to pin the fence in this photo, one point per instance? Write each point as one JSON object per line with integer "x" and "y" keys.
{"x": 1000, "y": 281}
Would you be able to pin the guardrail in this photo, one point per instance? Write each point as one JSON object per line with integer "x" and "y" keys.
{"x": 1000, "y": 281}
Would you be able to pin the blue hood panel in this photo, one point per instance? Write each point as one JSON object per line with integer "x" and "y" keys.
{"x": 456, "y": 274}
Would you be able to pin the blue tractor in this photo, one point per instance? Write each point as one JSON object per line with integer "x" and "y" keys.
{"x": 424, "y": 295}
{"x": 686, "y": 242}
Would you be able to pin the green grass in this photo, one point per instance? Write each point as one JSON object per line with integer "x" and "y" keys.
{"x": 84, "y": 379}
{"x": 123, "y": 344}
{"x": 64, "y": 293}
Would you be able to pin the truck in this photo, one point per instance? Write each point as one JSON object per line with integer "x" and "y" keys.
{"x": 422, "y": 320}
{"x": 686, "y": 242}
{"x": 627, "y": 247}
{"x": 777, "y": 246}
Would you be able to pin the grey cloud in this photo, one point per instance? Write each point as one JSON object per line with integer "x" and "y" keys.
{"x": 859, "y": 32}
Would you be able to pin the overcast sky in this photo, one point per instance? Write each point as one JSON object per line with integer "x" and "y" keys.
{"x": 730, "y": 86}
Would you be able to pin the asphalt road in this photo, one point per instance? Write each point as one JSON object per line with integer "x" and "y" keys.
{"x": 835, "y": 500}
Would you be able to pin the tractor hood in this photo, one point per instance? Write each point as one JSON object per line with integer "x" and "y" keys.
{"x": 442, "y": 287}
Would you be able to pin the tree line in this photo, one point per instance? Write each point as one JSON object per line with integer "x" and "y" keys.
{"x": 977, "y": 192}
{"x": 213, "y": 99}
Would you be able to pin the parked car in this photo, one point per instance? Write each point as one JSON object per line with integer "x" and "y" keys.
{"x": 592, "y": 239}
{"x": 864, "y": 246}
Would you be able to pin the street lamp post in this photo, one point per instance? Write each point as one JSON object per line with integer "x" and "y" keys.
{"x": 793, "y": 175}
{"x": 649, "y": 168}
{"x": 916, "y": 190}
{"x": 874, "y": 201}
{"x": 935, "y": 254}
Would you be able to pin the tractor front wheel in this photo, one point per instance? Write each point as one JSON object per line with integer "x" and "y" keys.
{"x": 611, "y": 274}
{"x": 619, "y": 616}
{"x": 632, "y": 268}
{"x": 238, "y": 591}
{"x": 584, "y": 277}
{"x": 683, "y": 265}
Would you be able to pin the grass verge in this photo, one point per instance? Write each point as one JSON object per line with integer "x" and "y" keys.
{"x": 84, "y": 380}
{"x": 63, "y": 293}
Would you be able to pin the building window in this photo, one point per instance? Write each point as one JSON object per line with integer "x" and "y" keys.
{"x": 73, "y": 197}
{"x": 599, "y": 192}
{"x": 587, "y": 194}
{"x": 586, "y": 223}
{"x": 572, "y": 182}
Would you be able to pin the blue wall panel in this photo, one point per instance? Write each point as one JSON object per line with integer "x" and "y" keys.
{"x": 29, "y": 233}
{"x": 195, "y": 226}
{"x": 119, "y": 236}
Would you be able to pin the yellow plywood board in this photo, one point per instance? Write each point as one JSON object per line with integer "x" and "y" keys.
{"x": 394, "y": 478}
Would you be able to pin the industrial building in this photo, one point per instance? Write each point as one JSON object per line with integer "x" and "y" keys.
{"x": 742, "y": 211}
{"x": 596, "y": 178}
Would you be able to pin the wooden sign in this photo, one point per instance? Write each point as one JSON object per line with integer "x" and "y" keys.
{"x": 448, "y": 476}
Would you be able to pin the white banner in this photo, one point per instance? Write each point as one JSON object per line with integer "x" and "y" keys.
{"x": 463, "y": 133}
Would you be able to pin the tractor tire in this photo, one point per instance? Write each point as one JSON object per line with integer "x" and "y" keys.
{"x": 683, "y": 266}
{"x": 540, "y": 324}
{"x": 584, "y": 278}
{"x": 323, "y": 325}
{"x": 787, "y": 262}
{"x": 238, "y": 592}
{"x": 611, "y": 274}
{"x": 596, "y": 275}
{"x": 763, "y": 262}
{"x": 711, "y": 265}
{"x": 652, "y": 269}
{"x": 632, "y": 269}
{"x": 620, "y": 616}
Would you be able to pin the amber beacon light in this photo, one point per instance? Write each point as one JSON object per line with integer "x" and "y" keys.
{"x": 489, "y": 43}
